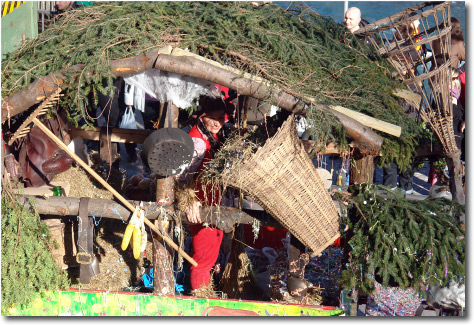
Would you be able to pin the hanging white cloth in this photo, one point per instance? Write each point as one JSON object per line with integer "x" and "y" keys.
{"x": 168, "y": 86}
{"x": 134, "y": 96}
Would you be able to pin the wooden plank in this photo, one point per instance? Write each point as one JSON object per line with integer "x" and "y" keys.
{"x": 369, "y": 121}
{"x": 408, "y": 95}
{"x": 115, "y": 135}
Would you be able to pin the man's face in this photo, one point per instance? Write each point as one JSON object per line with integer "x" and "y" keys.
{"x": 62, "y": 5}
{"x": 352, "y": 20}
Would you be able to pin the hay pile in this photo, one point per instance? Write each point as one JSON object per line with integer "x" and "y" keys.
{"x": 82, "y": 184}
{"x": 119, "y": 270}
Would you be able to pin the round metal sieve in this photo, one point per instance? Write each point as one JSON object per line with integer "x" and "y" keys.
{"x": 166, "y": 150}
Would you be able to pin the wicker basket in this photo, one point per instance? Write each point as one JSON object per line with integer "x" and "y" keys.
{"x": 405, "y": 46}
{"x": 283, "y": 180}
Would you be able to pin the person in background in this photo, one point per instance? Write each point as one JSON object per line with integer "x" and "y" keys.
{"x": 207, "y": 135}
{"x": 459, "y": 123}
{"x": 353, "y": 20}
{"x": 458, "y": 49}
{"x": 462, "y": 77}
{"x": 63, "y": 6}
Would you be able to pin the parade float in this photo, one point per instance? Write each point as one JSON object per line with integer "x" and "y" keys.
{"x": 290, "y": 58}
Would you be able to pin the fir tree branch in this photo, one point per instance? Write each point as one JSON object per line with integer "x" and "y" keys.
{"x": 17, "y": 237}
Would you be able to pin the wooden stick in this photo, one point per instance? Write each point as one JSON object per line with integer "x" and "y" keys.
{"x": 110, "y": 188}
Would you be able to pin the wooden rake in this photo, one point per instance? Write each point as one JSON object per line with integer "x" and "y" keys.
{"x": 25, "y": 128}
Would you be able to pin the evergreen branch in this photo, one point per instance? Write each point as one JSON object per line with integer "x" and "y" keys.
{"x": 17, "y": 237}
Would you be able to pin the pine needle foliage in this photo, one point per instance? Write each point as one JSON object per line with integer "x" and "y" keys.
{"x": 413, "y": 243}
{"x": 294, "y": 48}
{"x": 28, "y": 267}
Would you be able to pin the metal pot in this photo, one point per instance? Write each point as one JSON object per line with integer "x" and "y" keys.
{"x": 166, "y": 150}
{"x": 297, "y": 287}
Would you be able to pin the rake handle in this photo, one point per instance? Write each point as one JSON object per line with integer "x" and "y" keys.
{"x": 61, "y": 144}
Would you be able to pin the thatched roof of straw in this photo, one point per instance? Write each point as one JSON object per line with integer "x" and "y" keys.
{"x": 294, "y": 48}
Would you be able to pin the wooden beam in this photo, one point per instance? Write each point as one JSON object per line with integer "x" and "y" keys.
{"x": 193, "y": 67}
{"x": 115, "y": 135}
{"x": 223, "y": 217}
{"x": 163, "y": 275}
{"x": 363, "y": 138}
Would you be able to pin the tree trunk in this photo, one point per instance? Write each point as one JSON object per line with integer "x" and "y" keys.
{"x": 362, "y": 169}
{"x": 163, "y": 277}
{"x": 455, "y": 173}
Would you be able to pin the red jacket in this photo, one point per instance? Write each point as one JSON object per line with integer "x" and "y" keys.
{"x": 211, "y": 196}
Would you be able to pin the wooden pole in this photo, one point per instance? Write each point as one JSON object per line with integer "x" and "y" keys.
{"x": 224, "y": 218}
{"x": 455, "y": 172}
{"x": 362, "y": 169}
{"x": 110, "y": 188}
{"x": 163, "y": 277}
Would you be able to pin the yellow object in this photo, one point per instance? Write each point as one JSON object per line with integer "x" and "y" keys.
{"x": 416, "y": 31}
{"x": 8, "y": 6}
{"x": 339, "y": 180}
{"x": 129, "y": 230}
{"x": 126, "y": 236}
{"x": 137, "y": 242}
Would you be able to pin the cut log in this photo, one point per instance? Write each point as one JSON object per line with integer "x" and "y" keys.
{"x": 362, "y": 169}
{"x": 223, "y": 217}
{"x": 364, "y": 139}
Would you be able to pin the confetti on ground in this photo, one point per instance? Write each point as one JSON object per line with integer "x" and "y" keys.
{"x": 324, "y": 271}
{"x": 392, "y": 301}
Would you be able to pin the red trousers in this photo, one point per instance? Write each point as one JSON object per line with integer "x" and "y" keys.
{"x": 205, "y": 250}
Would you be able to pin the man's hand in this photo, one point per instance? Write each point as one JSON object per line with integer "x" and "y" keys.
{"x": 193, "y": 213}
